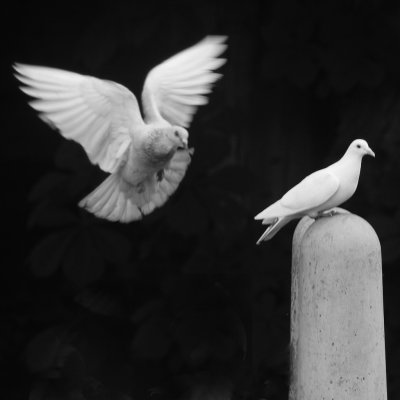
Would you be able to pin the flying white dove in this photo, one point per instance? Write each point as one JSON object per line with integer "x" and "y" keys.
{"x": 146, "y": 159}
{"x": 319, "y": 193}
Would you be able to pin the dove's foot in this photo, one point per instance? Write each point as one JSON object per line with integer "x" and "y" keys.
{"x": 328, "y": 213}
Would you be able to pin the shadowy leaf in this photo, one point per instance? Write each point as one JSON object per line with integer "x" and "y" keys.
{"x": 48, "y": 254}
{"x": 83, "y": 262}
{"x": 94, "y": 389}
{"x": 147, "y": 310}
{"x": 73, "y": 369}
{"x": 49, "y": 215}
{"x": 71, "y": 156}
{"x": 42, "y": 351}
{"x": 114, "y": 246}
{"x": 50, "y": 186}
{"x": 99, "y": 302}
{"x": 41, "y": 391}
{"x": 152, "y": 340}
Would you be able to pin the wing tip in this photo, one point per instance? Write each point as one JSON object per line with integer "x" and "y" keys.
{"x": 220, "y": 39}
{"x": 219, "y": 42}
{"x": 19, "y": 68}
{"x": 16, "y": 70}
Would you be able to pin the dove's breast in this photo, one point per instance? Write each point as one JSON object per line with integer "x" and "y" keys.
{"x": 134, "y": 171}
{"x": 146, "y": 158}
{"x": 348, "y": 173}
{"x": 158, "y": 149}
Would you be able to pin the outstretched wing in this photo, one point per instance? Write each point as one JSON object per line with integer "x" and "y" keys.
{"x": 100, "y": 115}
{"x": 311, "y": 192}
{"x": 175, "y": 88}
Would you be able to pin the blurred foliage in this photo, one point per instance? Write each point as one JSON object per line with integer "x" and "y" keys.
{"x": 183, "y": 304}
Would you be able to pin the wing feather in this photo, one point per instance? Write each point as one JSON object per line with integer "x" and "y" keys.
{"x": 312, "y": 191}
{"x": 175, "y": 88}
{"x": 100, "y": 115}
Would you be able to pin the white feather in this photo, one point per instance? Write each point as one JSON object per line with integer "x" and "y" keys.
{"x": 190, "y": 71}
{"x": 91, "y": 111}
{"x": 116, "y": 200}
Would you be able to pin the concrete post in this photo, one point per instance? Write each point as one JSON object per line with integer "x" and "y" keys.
{"x": 337, "y": 332}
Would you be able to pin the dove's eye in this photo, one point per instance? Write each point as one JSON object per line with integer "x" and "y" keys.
{"x": 359, "y": 146}
{"x": 176, "y": 134}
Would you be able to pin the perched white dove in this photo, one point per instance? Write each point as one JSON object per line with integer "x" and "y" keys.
{"x": 147, "y": 158}
{"x": 319, "y": 193}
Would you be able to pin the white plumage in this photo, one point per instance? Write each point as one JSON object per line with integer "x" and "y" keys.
{"x": 318, "y": 193}
{"x": 146, "y": 157}
{"x": 176, "y": 87}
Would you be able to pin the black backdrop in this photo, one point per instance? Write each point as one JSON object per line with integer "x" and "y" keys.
{"x": 183, "y": 304}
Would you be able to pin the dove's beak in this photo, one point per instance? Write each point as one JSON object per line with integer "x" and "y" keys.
{"x": 185, "y": 143}
{"x": 184, "y": 136}
{"x": 370, "y": 152}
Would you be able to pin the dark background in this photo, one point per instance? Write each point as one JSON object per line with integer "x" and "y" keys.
{"x": 183, "y": 304}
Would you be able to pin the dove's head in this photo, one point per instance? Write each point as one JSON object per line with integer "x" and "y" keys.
{"x": 179, "y": 136}
{"x": 361, "y": 148}
{"x": 162, "y": 142}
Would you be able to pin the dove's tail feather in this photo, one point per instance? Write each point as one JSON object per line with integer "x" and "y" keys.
{"x": 117, "y": 200}
{"x": 110, "y": 201}
{"x": 274, "y": 228}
